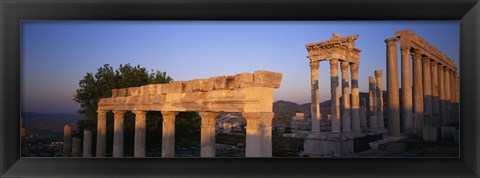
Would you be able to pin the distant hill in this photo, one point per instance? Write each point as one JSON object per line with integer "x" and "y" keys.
{"x": 54, "y": 122}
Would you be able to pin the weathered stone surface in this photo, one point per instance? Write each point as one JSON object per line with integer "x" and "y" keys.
{"x": 114, "y": 93}
{"x": 243, "y": 80}
{"x": 122, "y": 92}
{"x": 148, "y": 89}
{"x": 134, "y": 91}
{"x": 174, "y": 87}
{"x": 199, "y": 85}
{"x": 262, "y": 78}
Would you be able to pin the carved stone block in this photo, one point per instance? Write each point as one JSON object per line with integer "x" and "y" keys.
{"x": 262, "y": 78}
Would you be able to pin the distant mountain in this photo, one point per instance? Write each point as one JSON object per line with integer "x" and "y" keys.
{"x": 49, "y": 121}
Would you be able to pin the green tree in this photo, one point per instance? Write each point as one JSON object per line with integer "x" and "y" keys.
{"x": 99, "y": 85}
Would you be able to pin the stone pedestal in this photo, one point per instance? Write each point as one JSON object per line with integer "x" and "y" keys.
{"x": 373, "y": 122}
{"x": 140, "y": 132}
{"x": 76, "y": 147}
{"x": 346, "y": 120}
{"x": 87, "y": 143}
{"x": 207, "y": 138}
{"x": 259, "y": 134}
{"x": 168, "y": 137}
{"x": 335, "y": 99}
{"x": 101, "y": 133}
{"x": 118, "y": 133}
{"x": 392, "y": 88}
{"x": 315, "y": 97}
{"x": 407, "y": 90}
{"x": 67, "y": 141}
{"x": 328, "y": 145}
{"x": 418, "y": 92}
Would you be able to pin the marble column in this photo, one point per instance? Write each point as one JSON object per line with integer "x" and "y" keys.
{"x": 76, "y": 146}
{"x": 418, "y": 91}
{"x": 363, "y": 115}
{"x": 168, "y": 137}
{"x": 140, "y": 133}
{"x": 407, "y": 90}
{"x": 356, "y": 123}
{"x": 67, "y": 141}
{"x": 101, "y": 133}
{"x": 427, "y": 91}
{"x": 346, "y": 120}
{"x": 335, "y": 99}
{"x": 315, "y": 97}
{"x": 379, "y": 92}
{"x": 118, "y": 133}
{"x": 207, "y": 134}
{"x": 87, "y": 143}
{"x": 392, "y": 88}
{"x": 259, "y": 134}
{"x": 441, "y": 95}
{"x": 435, "y": 94}
{"x": 448, "y": 107}
{"x": 372, "y": 103}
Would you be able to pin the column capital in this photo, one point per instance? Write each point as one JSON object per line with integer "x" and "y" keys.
{"x": 378, "y": 73}
{"x": 314, "y": 64}
{"x": 258, "y": 119}
{"x": 426, "y": 60}
{"x": 405, "y": 48}
{"x": 102, "y": 113}
{"x": 208, "y": 118}
{"x": 392, "y": 42}
{"x": 334, "y": 64}
{"x": 140, "y": 112}
{"x": 353, "y": 67}
{"x": 119, "y": 112}
{"x": 169, "y": 116}
{"x": 417, "y": 55}
{"x": 344, "y": 65}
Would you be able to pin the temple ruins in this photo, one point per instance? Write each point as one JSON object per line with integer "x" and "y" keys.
{"x": 250, "y": 94}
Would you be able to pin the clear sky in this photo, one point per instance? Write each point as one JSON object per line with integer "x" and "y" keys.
{"x": 56, "y": 55}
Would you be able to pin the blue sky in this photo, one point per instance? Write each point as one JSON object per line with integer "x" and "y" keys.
{"x": 56, "y": 55}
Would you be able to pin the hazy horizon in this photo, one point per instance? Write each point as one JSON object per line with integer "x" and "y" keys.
{"x": 56, "y": 55}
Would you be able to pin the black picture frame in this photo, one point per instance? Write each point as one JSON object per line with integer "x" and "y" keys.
{"x": 14, "y": 11}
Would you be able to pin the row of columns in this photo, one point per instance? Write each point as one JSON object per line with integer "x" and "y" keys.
{"x": 435, "y": 90}
{"x": 349, "y": 120}
{"x": 258, "y": 134}
{"x": 376, "y": 101}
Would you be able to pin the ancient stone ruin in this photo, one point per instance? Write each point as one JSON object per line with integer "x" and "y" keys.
{"x": 250, "y": 94}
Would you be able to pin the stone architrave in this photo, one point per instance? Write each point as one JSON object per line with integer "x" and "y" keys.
{"x": 379, "y": 104}
{"x": 168, "y": 137}
{"x": 372, "y": 103}
{"x": 392, "y": 88}
{"x": 356, "y": 122}
{"x": 315, "y": 94}
{"x": 335, "y": 99}
{"x": 140, "y": 133}
{"x": 346, "y": 120}
{"x": 87, "y": 143}
{"x": 441, "y": 95}
{"x": 447, "y": 118}
{"x": 435, "y": 94}
{"x": 427, "y": 91}
{"x": 418, "y": 91}
{"x": 101, "y": 133}
{"x": 207, "y": 134}
{"x": 407, "y": 90}
{"x": 67, "y": 141}
{"x": 76, "y": 146}
{"x": 118, "y": 133}
{"x": 259, "y": 134}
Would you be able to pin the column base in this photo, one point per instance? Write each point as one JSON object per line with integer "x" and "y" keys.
{"x": 329, "y": 145}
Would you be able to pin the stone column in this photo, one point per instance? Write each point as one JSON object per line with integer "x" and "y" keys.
{"x": 76, "y": 146}
{"x": 363, "y": 115}
{"x": 168, "y": 137}
{"x": 67, "y": 141}
{"x": 392, "y": 88}
{"x": 441, "y": 95}
{"x": 380, "y": 117}
{"x": 207, "y": 138}
{"x": 140, "y": 133}
{"x": 335, "y": 99}
{"x": 407, "y": 90}
{"x": 418, "y": 91}
{"x": 356, "y": 123}
{"x": 118, "y": 133}
{"x": 372, "y": 103}
{"x": 346, "y": 121}
{"x": 259, "y": 134}
{"x": 427, "y": 90}
{"x": 87, "y": 143}
{"x": 315, "y": 94}
{"x": 448, "y": 108}
{"x": 101, "y": 133}
{"x": 435, "y": 94}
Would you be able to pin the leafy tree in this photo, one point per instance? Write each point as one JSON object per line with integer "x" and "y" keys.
{"x": 99, "y": 85}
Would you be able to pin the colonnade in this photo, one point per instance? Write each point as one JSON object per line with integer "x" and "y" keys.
{"x": 435, "y": 86}
{"x": 258, "y": 133}
{"x": 376, "y": 101}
